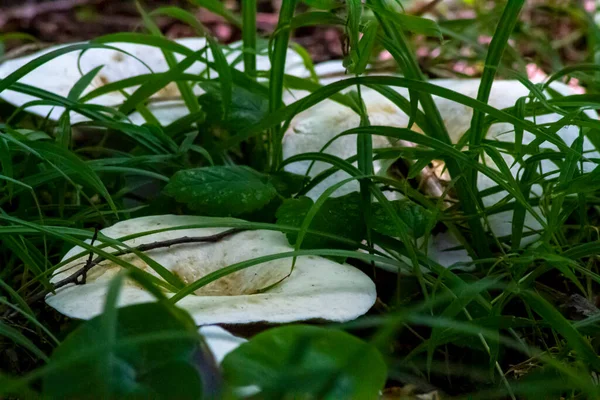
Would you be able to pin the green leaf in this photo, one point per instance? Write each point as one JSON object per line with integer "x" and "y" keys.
{"x": 82, "y": 84}
{"x": 221, "y": 190}
{"x": 414, "y": 216}
{"x": 505, "y": 27}
{"x": 307, "y": 362}
{"x": 365, "y": 47}
{"x": 287, "y": 183}
{"x": 340, "y": 216}
{"x": 249, "y": 10}
{"x": 246, "y": 108}
{"x": 585, "y": 183}
{"x": 166, "y": 367}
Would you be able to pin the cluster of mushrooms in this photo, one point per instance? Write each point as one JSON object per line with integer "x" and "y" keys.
{"x": 317, "y": 289}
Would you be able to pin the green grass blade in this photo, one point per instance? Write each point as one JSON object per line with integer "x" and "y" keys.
{"x": 14, "y": 335}
{"x": 82, "y": 84}
{"x": 582, "y": 347}
{"x": 184, "y": 89}
{"x": 249, "y": 36}
{"x": 280, "y": 39}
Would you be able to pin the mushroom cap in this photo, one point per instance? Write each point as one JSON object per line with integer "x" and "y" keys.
{"x": 60, "y": 74}
{"x": 317, "y": 289}
{"x": 310, "y": 130}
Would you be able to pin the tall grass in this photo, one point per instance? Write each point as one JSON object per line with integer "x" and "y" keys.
{"x": 500, "y": 329}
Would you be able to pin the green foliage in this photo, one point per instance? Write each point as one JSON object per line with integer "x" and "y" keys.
{"x": 246, "y": 108}
{"x": 522, "y": 323}
{"x": 340, "y": 216}
{"x": 309, "y": 362}
{"x": 138, "y": 365}
{"x": 287, "y": 183}
{"x": 221, "y": 190}
{"x": 413, "y": 215}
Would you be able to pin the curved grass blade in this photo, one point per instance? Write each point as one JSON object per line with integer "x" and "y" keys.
{"x": 184, "y": 89}
{"x": 583, "y": 349}
{"x": 14, "y": 335}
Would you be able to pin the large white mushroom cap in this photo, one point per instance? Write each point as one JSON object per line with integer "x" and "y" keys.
{"x": 310, "y": 130}
{"x": 317, "y": 289}
{"x": 60, "y": 74}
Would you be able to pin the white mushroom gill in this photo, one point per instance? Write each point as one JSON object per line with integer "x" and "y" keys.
{"x": 317, "y": 289}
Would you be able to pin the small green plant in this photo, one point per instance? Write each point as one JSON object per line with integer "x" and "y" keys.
{"x": 518, "y": 320}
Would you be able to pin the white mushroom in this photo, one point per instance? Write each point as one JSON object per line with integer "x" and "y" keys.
{"x": 60, "y": 74}
{"x": 317, "y": 289}
{"x": 219, "y": 341}
{"x": 313, "y": 128}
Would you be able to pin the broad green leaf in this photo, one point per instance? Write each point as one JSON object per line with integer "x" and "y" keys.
{"x": 246, "y": 108}
{"x": 287, "y": 183}
{"x": 341, "y": 216}
{"x": 307, "y": 362}
{"x": 414, "y": 216}
{"x": 221, "y": 190}
{"x": 163, "y": 368}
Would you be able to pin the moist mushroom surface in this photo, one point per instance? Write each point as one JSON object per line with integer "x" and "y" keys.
{"x": 316, "y": 289}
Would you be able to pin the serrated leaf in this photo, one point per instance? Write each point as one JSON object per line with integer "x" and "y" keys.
{"x": 221, "y": 190}
{"x": 339, "y": 216}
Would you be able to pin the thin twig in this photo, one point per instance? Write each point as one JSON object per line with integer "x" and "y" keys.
{"x": 92, "y": 262}
{"x": 89, "y": 261}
